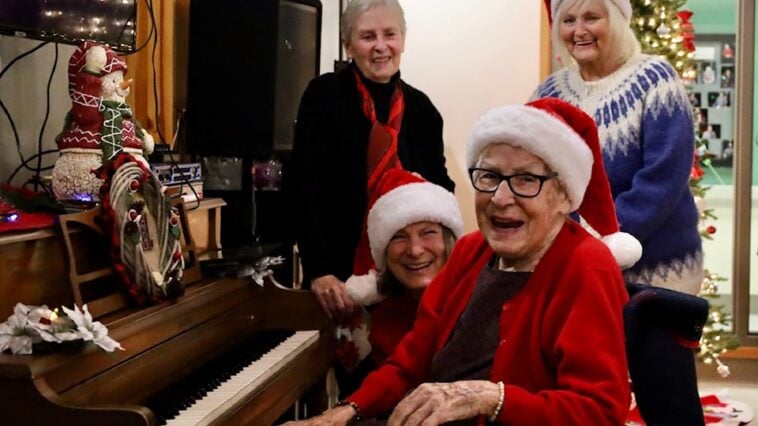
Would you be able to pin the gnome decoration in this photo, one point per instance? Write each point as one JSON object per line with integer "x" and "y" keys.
{"x": 99, "y": 125}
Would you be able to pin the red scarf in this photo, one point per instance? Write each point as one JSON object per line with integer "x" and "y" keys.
{"x": 380, "y": 157}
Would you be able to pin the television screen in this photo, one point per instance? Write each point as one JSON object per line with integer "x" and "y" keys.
{"x": 72, "y": 21}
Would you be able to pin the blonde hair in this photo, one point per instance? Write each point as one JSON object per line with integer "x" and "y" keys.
{"x": 356, "y": 8}
{"x": 622, "y": 37}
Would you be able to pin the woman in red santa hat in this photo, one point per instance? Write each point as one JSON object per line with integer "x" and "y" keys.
{"x": 412, "y": 227}
{"x": 524, "y": 323}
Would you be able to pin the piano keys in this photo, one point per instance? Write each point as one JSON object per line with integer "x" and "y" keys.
{"x": 226, "y": 394}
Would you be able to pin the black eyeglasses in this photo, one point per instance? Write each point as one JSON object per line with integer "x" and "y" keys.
{"x": 524, "y": 185}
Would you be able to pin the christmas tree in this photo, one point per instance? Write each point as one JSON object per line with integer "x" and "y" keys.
{"x": 664, "y": 29}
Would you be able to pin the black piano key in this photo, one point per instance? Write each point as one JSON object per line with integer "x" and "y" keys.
{"x": 183, "y": 394}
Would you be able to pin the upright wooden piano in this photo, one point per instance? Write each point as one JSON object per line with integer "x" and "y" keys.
{"x": 229, "y": 351}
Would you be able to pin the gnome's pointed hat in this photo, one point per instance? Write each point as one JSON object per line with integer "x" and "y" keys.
{"x": 566, "y": 139}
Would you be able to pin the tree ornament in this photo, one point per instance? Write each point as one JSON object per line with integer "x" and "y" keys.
{"x": 663, "y": 31}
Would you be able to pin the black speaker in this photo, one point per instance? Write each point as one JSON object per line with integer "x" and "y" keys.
{"x": 249, "y": 63}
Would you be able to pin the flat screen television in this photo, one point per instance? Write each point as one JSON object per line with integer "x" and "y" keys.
{"x": 72, "y": 21}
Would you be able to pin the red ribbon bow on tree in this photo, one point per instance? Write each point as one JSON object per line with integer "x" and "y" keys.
{"x": 688, "y": 30}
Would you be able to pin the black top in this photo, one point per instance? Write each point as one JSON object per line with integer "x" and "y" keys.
{"x": 326, "y": 178}
{"x": 470, "y": 351}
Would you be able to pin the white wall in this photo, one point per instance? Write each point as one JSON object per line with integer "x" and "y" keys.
{"x": 23, "y": 90}
{"x": 467, "y": 56}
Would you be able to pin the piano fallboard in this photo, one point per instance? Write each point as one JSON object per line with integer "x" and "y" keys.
{"x": 163, "y": 344}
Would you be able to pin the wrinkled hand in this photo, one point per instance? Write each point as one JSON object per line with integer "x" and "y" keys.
{"x": 332, "y": 296}
{"x": 437, "y": 403}
{"x": 338, "y": 416}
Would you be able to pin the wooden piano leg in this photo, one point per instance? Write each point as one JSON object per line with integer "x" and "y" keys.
{"x": 315, "y": 401}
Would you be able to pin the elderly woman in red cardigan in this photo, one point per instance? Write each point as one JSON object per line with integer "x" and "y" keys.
{"x": 523, "y": 326}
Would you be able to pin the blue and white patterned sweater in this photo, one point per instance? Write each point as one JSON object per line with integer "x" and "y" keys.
{"x": 645, "y": 125}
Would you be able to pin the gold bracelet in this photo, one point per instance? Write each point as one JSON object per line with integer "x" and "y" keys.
{"x": 500, "y": 400}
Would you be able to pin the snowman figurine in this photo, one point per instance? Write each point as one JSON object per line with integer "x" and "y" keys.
{"x": 99, "y": 125}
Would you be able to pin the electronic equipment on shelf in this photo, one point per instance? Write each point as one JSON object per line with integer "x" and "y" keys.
{"x": 170, "y": 174}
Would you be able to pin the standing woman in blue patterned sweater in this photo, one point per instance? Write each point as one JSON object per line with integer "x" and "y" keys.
{"x": 644, "y": 119}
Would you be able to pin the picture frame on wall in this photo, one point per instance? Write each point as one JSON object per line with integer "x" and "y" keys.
{"x": 706, "y": 72}
{"x": 701, "y": 118}
{"x": 720, "y": 99}
{"x": 712, "y": 131}
{"x": 727, "y": 77}
{"x": 695, "y": 99}
{"x": 727, "y": 52}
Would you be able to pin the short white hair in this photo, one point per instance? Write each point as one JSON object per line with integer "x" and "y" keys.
{"x": 356, "y": 8}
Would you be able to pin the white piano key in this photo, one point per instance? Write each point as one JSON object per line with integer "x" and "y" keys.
{"x": 233, "y": 390}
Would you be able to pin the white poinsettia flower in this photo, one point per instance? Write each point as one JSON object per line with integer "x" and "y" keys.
{"x": 39, "y": 317}
{"x": 22, "y": 310}
{"x": 48, "y": 324}
{"x": 59, "y": 336}
{"x": 107, "y": 344}
{"x": 15, "y": 336}
{"x": 36, "y": 314}
{"x": 93, "y": 331}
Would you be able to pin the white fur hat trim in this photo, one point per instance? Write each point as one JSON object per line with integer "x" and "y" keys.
{"x": 408, "y": 204}
{"x": 363, "y": 290}
{"x": 542, "y": 134}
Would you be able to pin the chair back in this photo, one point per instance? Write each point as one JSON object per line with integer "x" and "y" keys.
{"x": 663, "y": 327}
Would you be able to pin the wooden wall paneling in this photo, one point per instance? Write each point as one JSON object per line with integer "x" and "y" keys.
{"x": 140, "y": 70}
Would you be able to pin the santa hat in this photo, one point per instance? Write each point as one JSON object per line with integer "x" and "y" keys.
{"x": 624, "y": 6}
{"x": 402, "y": 199}
{"x": 566, "y": 139}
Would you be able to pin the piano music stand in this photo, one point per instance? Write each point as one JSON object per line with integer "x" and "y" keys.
{"x": 191, "y": 271}
{"x": 84, "y": 266}
{"x": 89, "y": 265}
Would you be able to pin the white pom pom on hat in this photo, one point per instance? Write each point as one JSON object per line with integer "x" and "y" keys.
{"x": 363, "y": 290}
{"x": 566, "y": 139}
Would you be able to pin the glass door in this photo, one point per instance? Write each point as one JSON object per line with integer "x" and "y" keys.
{"x": 714, "y": 96}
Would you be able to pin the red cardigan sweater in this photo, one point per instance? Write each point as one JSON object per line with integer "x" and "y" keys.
{"x": 561, "y": 353}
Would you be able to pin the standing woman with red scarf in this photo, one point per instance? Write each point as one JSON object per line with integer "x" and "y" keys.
{"x": 352, "y": 126}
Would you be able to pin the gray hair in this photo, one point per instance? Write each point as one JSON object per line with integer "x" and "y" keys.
{"x": 622, "y": 36}
{"x": 356, "y": 8}
{"x": 388, "y": 285}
